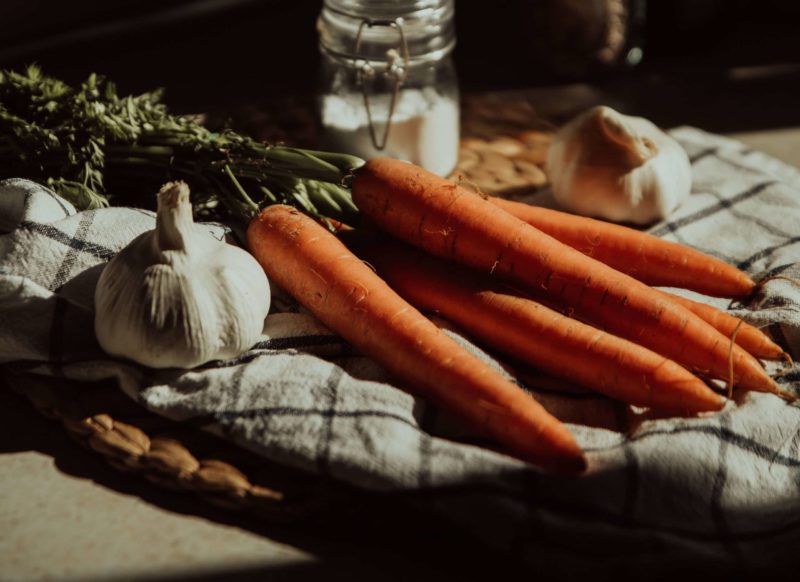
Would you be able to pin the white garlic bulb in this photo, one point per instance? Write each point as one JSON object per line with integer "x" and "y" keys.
{"x": 178, "y": 297}
{"x": 617, "y": 167}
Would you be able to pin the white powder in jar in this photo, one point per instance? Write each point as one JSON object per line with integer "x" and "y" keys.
{"x": 424, "y": 127}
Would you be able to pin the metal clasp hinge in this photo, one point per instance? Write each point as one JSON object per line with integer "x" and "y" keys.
{"x": 395, "y": 67}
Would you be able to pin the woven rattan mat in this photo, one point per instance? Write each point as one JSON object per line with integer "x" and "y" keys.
{"x": 503, "y": 151}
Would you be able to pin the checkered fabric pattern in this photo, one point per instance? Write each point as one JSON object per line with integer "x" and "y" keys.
{"x": 720, "y": 490}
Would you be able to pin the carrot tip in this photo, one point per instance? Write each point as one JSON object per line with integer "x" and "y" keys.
{"x": 576, "y": 465}
{"x": 572, "y": 465}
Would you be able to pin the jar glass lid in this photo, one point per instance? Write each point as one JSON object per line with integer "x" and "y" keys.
{"x": 426, "y": 26}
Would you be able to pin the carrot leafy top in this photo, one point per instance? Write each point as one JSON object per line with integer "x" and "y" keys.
{"x": 94, "y": 148}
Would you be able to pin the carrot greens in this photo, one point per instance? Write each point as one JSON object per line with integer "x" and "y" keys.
{"x": 89, "y": 145}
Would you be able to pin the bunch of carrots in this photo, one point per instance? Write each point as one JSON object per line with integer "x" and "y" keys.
{"x": 569, "y": 295}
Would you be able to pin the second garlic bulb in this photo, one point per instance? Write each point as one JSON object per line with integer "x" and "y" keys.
{"x": 620, "y": 168}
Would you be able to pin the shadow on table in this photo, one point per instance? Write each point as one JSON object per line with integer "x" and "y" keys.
{"x": 379, "y": 539}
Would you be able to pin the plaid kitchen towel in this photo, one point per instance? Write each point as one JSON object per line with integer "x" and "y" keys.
{"x": 721, "y": 490}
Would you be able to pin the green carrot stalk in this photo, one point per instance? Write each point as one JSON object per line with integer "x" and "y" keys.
{"x": 81, "y": 140}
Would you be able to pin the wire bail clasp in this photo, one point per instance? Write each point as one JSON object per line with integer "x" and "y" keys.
{"x": 395, "y": 68}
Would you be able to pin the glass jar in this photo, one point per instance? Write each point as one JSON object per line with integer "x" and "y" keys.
{"x": 389, "y": 84}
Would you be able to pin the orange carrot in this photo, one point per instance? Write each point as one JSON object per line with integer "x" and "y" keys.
{"x": 749, "y": 337}
{"x": 524, "y": 329}
{"x": 448, "y": 221}
{"x": 643, "y": 256}
{"x": 309, "y": 262}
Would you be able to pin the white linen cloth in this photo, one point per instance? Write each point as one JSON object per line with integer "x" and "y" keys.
{"x": 721, "y": 490}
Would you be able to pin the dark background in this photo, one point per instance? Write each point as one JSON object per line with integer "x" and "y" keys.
{"x": 724, "y": 65}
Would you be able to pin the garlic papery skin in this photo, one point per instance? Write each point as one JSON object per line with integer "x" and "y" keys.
{"x": 620, "y": 168}
{"x": 176, "y": 297}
